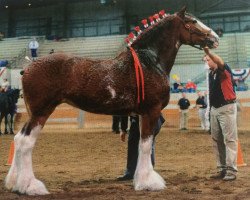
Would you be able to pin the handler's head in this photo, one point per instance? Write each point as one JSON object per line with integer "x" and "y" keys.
{"x": 212, "y": 65}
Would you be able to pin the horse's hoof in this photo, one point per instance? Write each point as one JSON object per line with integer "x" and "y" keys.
{"x": 33, "y": 187}
{"x": 151, "y": 181}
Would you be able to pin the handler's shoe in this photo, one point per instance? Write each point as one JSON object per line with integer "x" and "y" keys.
{"x": 219, "y": 175}
{"x": 229, "y": 177}
{"x": 125, "y": 177}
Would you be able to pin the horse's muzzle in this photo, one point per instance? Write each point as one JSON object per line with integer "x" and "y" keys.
{"x": 211, "y": 42}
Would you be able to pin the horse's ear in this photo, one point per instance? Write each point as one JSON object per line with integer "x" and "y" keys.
{"x": 181, "y": 13}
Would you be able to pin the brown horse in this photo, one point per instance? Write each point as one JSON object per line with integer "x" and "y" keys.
{"x": 106, "y": 87}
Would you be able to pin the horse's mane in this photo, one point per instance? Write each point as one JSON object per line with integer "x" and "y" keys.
{"x": 151, "y": 32}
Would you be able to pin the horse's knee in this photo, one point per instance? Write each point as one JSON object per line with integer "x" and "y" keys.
{"x": 146, "y": 145}
{"x": 26, "y": 142}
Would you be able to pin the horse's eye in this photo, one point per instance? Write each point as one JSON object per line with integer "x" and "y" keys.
{"x": 194, "y": 21}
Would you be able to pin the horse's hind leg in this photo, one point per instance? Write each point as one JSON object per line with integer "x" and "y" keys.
{"x": 145, "y": 177}
{"x": 21, "y": 177}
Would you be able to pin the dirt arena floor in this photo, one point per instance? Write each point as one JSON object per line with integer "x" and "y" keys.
{"x": 84, "y": 164}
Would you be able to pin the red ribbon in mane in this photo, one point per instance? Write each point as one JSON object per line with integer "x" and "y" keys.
{"x": 139, "y": 75}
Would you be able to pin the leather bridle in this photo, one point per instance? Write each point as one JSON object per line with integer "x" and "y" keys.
{"x": 194, "y": 30}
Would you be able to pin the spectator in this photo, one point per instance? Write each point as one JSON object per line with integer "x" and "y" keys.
{"x": 190, "y": 86}
{"x": 133, "y": 143}
{"x": 222, "y": 116}
{"x": 4, "y": 63}
{"x": 240, "y": 83}
{"x": 219, "y": 31}
{"x": 119, "y": 122}
{"x": 207, "y": 114}
{"x": 183, "y": 104}
{"x": 5, "y": 84}
{"x": 51, "y": 51}
{"x": 202, "y": 106}
{"x": 178, "y": 87}
{"x": 1, "y": 36}
{"x": 33, "y": 46}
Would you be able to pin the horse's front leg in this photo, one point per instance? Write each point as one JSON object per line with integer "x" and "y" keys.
{"x": 145, "y": 177}
{"x": 20, "y": 177}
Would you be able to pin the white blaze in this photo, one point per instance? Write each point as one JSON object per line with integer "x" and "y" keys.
{"x": 207, "y": 28}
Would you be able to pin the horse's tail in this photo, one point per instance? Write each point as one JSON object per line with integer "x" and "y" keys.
{"x": 26, "y": 105}
{"x": 24, "y": 98}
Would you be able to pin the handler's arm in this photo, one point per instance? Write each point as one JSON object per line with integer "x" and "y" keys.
{"x": 217, "y": 59}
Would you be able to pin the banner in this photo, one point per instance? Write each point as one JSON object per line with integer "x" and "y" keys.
{"x": 240, "y": 73}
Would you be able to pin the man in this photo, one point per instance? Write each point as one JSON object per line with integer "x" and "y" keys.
{"x": 183, "y": 104}
{"x": 5, "y": 84}
{"x": 222, "y": 116}
{"x": 202, "y": 106}
{"x": 133, "y": 143}
{"x": 119, "y": 121}
{"x": 190, "y": 86}
{"x": 33, "y": 46}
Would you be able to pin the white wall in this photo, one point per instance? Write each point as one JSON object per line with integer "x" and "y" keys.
{"x": 15, "y": 78}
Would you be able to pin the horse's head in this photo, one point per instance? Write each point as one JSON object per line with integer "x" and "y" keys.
{"x": 194, "y": 32}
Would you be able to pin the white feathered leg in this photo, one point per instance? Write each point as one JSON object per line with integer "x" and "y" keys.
{"x": 145, "y": 177}
{"x": 21, "y": 177}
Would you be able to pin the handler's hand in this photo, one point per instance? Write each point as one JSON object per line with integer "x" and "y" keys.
{"x": 206, "y": 50}
{"x": 123, "y": 136}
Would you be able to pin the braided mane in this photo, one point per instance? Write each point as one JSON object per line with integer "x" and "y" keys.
{"x": 139, "y": 36}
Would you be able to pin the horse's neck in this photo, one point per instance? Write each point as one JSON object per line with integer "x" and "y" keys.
{"x": 165, "y": 45}
{"x": 166, "y": 52}
{"x": 167, "y": 58}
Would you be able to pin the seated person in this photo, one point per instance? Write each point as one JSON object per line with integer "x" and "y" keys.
{"x": 241, "y": 85}
{"x": 178, "y": 87}
{"x": 190, "y": 86}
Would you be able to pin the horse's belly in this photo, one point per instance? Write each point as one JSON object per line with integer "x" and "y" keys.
{"x": 103, "y": 107}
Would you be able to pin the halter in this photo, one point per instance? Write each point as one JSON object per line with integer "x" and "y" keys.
{"x": 194, "y": 30}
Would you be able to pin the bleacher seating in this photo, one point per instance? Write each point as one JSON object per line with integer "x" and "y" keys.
{"x": 11, "y": 47}
{"x": 93, "y": 47}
